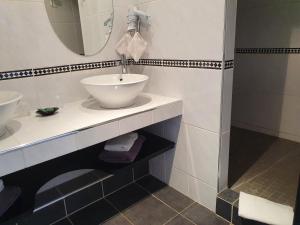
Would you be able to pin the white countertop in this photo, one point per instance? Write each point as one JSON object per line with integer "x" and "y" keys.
{"x": 74, "y": 120}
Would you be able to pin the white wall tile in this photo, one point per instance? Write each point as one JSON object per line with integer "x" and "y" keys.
{"x": 230, "y": 27}
{"x": 199, "y": 89}
{"x": 32, "y": 36}
{"x": 196, "y": 154}
{"x": 203, "y": 153}
{"x": 227, "y": 99}
{"x": 182, "y": 30}
{"x": 224, "y": 161}
{"x": 202, "y": 193}
{"x": 178, "y": 180}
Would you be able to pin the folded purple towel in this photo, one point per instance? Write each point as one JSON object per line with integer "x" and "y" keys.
{"x": 123, "y": 157}
{"x": 8, "y": 197}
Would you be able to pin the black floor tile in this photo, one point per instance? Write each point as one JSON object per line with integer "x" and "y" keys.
{"x": 117, "y": 181}
{"x": 229, "y": 195}
{"x": 77, "y": 183}
{"x": 165, "y": 193}
{"x": 94, "y": 214}
{"x": 8, "y": 223}
{"x": 127, "y": 197}
{"x": 63, "y": 222}
{"x": 46, "y": 197}
{"x": 140, "y": 207}
{"x": 45, "y": 216}
{"x": 117, "y": 220}
{"x": 83, "y": 197}
{"x": 179, "y": 220}
{"x": 224, "y": 209}
{"x": 151, "y": 210}
{"x": 141, "y": 169}
{"x": 202, "y": 216}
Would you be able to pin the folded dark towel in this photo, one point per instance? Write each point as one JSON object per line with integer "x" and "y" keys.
{"x": 123, "y": 157}
{"x": 8, "y": 197}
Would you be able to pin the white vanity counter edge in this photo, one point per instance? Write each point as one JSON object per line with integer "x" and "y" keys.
{"x": 32, "y": 140}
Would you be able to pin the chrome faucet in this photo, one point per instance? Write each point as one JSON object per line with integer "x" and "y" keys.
{"x": 124, "y": 66}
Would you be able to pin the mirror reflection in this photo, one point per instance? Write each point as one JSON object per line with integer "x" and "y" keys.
{"x": 83, "y": 26}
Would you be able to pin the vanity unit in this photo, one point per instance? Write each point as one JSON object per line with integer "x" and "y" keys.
{"x": 36, "y": 149}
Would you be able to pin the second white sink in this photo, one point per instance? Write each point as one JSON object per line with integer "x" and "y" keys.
{"x": 113, "y": 92}
{"x": 8, "y": 103}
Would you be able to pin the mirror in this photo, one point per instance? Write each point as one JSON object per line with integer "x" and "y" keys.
{"x": 83, "y": 26}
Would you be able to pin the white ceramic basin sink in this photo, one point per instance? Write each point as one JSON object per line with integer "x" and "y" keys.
{"x": 8, "y": 103}
{"x": 111, "y": 92}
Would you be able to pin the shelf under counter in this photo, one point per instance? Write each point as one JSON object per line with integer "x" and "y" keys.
{"x": 31, "y": 179}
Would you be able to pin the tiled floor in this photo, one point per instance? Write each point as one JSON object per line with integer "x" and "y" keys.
{"x": 265, "y": 166}
{"x": 146, "y": 202}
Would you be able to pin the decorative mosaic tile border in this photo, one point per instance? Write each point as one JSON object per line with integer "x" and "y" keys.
{"x": 200, "y": 64}
{"x": 95, "y": 65}
{"x": 15, "y": 74}
{"x": 229, "y": 64}
{"x": 268, "y": 50}
{"x": 50, "y": 70}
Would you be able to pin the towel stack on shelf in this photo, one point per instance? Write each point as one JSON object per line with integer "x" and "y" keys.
{"x": 123, "y": 149}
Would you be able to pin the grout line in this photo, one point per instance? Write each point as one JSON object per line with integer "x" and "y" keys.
{"x": 65, "y": 205}
{"x": 188, "y": 219}
{"x": 70, "y": 220}
{"x": 102, "y": 189}
{"x": 56, "y": 221}
{"x": 148, "y": 174}
{"x": 262, "y": 172}
{"x": 231, "y": 203}
{"x": 231, "y": 219}
{"x": 77, "y": 210}
{"x": 169, "y": 220}
{"x": 187, "y": 207}
{"x": 109, "y": 202}
{"x": 64, "y": 196}
{"x": 165, "y": 202}
{"x": 132, "y": 174}
{"x": 157, "y": 198}
{"x": 119, "y": 189}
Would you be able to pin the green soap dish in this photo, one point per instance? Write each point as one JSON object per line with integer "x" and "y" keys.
{"x": 47, "y": 111}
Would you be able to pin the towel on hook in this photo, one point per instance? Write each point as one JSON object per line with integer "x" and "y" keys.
{"x": 265, "y": 211}
{"x": 137, "y": 47}
{"x": 122, "y": 45}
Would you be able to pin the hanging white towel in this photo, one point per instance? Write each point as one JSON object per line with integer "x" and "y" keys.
{"x": 122, "y": 143}
{"x": 137, "y": 46}
{"x": 265, "y": 211}
{"x": 122, "y": 45}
